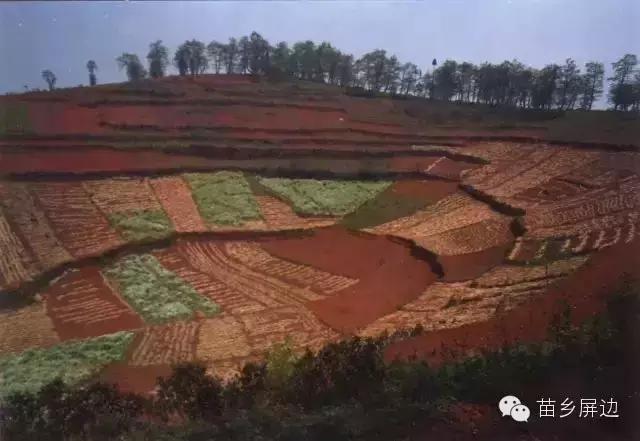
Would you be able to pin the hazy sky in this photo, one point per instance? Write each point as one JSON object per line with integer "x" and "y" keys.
{"x": 63, "y": 36}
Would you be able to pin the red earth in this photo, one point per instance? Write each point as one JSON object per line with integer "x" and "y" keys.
{"x": 82, "y": 305}
{"x": 390, "y": 276}
{"x": 586, "y": 292}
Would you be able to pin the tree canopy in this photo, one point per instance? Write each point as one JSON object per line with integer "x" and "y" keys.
{"x": 564, "y": 86}
{"x": 134, "y": 68}
{"x": 50, "y": 78}
{"x": 92, "y": 67}
{"x": 158, "y": 58}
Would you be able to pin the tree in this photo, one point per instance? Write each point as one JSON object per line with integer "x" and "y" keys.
{"x": 305, "y": 56}
{"x": 465, "y": 76}
{"x": 636, "y": 92}
{"x": 371, "y": 69}
{"x": 92, "y": 67}
{"x": 446, "y": 80}
{"x": 191, "y": 58}
{"x": 216, "y": 52}
{"x": 230, "y": 55}
{"x": 327, "y": 62}
{"x": 244, "y": 47}
{"x": 281, "y": 58}
{"x": 50, "y": 78}
{"x": 568, "y": 83}
{"x": 592, "y": 84}
{"x": 544, "y": 86}
{"x": 391, "y": 75}
{"x": 259, "y": 54}
{"x": 158, "y": 58}
{"x": 409, "y": 74}
{"x": 131, "y": 62}
{"x": 190, "y": 393}
{"x": 344, "y": 70}
{"x": 621, "y": 90}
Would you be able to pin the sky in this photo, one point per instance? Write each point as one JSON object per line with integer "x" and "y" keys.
{"x": 63, "y": 36}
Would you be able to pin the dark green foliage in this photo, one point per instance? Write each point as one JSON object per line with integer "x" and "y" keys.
{"x": 97, "y": 412}
{"x": 158, "y": 58}
{"x": 134, "y": 68}
{"x": 509, "y": 84}
{"x": 348, "y": 370}
{"x": 190, "y": 393}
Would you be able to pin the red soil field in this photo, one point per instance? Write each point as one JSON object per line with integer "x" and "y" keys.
{"x": 82, "y": 305}
{"x": 104, "y": 160}
{"x": 84, "y": 231}
{"x": 432, "y": 190}
{"x": 136, "y": 379}
{"x": 175, "y": 196}
{"x": 585, "y": 291}
{"x": 90, "y": 160}
{"x": 47, "y": 118}
{"x": 469, "y": 266}
{"x": 389, "y": 275}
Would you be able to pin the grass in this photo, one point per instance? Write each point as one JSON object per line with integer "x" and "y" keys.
{"x": 14, "y": 118}
{"x": 385, "y": 207}
{"x": 324, "y": 197}
{"x": 223, "y": 198}
{"x": 156, "y": 293}
{"x": 142, "y": 225}
{"x": 73, "y": 362}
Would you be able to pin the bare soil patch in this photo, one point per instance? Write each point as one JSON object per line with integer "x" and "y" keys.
{"x": 390, "y": 275}
{"x": 82, "y": 305}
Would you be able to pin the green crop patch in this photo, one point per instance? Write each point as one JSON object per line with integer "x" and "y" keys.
{"x": 14, "y": 118}
{"x": 223, "y": 198}
{"x": 142, "y": 225}
{"x": 324, "y": 197}
{"x": 156, "y": 293}
{"x": 72, "y": 362}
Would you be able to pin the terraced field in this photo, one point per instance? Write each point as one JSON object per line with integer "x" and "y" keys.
{"x": 257, "y": 214}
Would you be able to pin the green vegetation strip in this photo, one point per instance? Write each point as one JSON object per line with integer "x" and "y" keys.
{"x": 324, "y": 197}
{"x": 142, "y": 225}
{"x": 223, "y": 198}
{"x": 14, "y": 118}
{"x": 73, "y": 362}
{"x": 156, "y": 293}
{"x": 385, "y": 207}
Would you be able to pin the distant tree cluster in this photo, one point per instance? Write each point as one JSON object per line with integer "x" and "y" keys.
{"x": 510, "y": 83}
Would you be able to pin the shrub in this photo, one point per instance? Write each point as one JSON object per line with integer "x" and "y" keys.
{"x": 97, "y": 412}
{"x": 189, "y": 393}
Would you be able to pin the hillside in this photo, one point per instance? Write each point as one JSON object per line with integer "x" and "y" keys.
{"x": 211, "y": 218}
